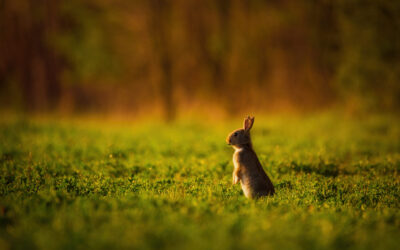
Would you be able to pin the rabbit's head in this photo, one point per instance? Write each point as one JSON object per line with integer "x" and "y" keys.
{"x": 241, "y": 136}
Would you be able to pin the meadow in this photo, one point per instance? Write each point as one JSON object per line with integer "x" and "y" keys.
{"x": 79, "y": 184}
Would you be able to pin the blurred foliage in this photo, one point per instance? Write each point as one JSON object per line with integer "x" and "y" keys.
{"x": 370, "y": 64}
{"x": 107, "y": 56}
{"x": 83, "y": 42}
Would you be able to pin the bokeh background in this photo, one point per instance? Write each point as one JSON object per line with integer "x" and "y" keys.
{"x": 172, "y": 58}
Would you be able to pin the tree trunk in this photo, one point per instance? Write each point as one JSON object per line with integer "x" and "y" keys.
{"x": 160, "y": 11}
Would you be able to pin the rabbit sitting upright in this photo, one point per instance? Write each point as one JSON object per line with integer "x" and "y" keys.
{"x": 248, "y": 169}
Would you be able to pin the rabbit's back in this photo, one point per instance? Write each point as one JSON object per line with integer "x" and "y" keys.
{"x": 254, "y": 180}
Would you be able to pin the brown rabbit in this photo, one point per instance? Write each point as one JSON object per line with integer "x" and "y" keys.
{"x": 248, "y": 169}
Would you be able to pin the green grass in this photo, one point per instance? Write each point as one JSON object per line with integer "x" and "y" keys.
{"x": 84, "y": 184}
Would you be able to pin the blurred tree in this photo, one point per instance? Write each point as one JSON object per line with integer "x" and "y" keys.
{"x": 132, "y": 56}
{"x": 26, "y": 55}
{"x": 369, "y": 70}
{"x": 159, "y": 28}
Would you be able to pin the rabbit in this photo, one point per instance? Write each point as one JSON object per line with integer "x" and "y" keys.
{"x": 247, "y": 168}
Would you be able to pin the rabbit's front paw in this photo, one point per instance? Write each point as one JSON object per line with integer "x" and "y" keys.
{"x": 235, "y": 180}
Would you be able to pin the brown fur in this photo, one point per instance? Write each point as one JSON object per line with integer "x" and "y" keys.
{"x": 248, "y": 170}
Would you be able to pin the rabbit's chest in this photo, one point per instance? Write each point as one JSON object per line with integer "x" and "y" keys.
{"x": 247, "y": 178}
{"x": 235, "y": 160}
{"x": 240, "y": 161}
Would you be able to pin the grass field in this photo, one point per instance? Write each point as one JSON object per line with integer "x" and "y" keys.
{"x": 85, "y": 184}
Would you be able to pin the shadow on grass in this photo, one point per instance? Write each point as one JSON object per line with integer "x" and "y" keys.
{"x": 322, "y": 168}
{"x": 284, "y": 185}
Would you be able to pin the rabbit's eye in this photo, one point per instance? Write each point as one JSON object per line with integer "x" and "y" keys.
{"x": 235, "y": 134}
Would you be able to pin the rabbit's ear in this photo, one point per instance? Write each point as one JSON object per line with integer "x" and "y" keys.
{"x": 248, "y": 123}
